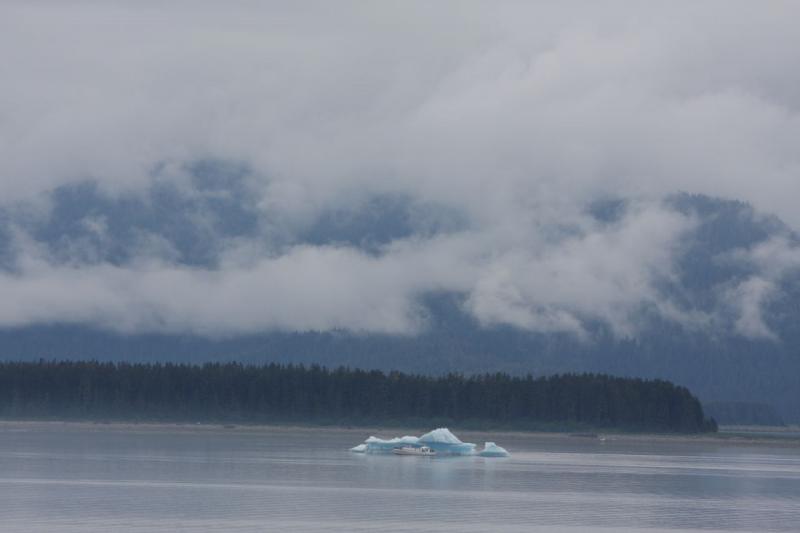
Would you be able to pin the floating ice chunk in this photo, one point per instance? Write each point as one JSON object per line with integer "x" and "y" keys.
{"x": 444, "y": 442}
{"x": 441, "y": 440}
{"x": 397, "y": 441}
{"x": 490, "y": 449}
{"x": 377, "y": 445}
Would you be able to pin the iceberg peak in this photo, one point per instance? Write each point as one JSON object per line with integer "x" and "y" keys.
{"x": 442, "y": 435}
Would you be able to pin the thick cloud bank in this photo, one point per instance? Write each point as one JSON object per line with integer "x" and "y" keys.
{"x": 222, "y": 169}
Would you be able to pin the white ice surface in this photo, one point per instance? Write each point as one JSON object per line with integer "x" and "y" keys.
{"x": 490, "y": 449}
{"x": 443, "y": 435}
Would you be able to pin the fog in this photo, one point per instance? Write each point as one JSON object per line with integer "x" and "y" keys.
{"x": 516, "y": 117}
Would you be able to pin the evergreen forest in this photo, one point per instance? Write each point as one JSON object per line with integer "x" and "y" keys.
{"x": 278, "y": 393}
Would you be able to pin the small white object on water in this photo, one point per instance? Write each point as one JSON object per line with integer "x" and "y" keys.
{"x": 490, "y": 449}
{"x": 440, "y": 441}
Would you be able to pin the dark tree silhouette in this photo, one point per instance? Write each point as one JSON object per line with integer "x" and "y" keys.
{"x": 283, "y": 393}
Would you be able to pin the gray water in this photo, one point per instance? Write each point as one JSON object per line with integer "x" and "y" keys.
{"x": 92, "y": 478}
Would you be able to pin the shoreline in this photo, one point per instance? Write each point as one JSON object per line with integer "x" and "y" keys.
{"x": 738, "y": 435}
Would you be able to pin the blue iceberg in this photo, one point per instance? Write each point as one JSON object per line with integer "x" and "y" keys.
{"x": 490, "y": 449}
{"x": 441, "y": 440}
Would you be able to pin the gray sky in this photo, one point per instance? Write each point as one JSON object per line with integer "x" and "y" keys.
{"x": 515, "y": 114}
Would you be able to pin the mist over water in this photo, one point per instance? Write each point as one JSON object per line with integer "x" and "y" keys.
{"x": 104, "y": 478}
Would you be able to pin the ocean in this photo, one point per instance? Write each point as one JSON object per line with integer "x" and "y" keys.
{"x": 125, "y": 478}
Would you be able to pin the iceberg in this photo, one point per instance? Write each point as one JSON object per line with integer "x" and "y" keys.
{"x": 490, "y": 449}
{"x": 376, "y": 445}
{"x": 441, "y": 440}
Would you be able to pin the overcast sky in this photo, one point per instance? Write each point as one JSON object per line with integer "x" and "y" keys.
{"x": 515, "y": 115}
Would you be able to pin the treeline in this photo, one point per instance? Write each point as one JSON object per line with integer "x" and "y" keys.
{"x": 298, "y": 393}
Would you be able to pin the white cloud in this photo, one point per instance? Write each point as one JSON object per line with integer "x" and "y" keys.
{"x": 515, "y": 114}
{"x": 602, "y": 273}
{"x": 772, "y": 261}
{"x": 749, "y": 298}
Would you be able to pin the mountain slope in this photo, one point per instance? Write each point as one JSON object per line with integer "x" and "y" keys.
{"x": 735, "y": 288}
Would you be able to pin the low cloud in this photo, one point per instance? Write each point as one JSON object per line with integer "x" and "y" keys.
{"x": 596, "y": 272}
{"x": 772, "y": 261}
{"x": 512, "y": 117}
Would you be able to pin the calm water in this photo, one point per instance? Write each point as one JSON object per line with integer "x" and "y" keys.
{"x": 108, "y": 478}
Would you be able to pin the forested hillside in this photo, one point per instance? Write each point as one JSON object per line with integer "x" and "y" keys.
{"x": 716, "y": 369}
{"x": 295, "y": 393}
{"x": 712, "y": 359}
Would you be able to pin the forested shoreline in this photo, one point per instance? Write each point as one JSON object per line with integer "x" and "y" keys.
{"x": 277, "y": 393}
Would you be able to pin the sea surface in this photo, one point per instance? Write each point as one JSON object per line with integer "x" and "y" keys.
{"x": 116, "y": 478}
